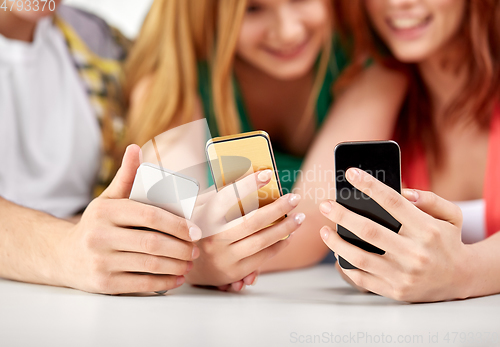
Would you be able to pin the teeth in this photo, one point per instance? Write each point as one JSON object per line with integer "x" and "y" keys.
{"x": 406, "y": 23}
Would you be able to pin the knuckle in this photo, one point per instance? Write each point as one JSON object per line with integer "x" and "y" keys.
{"x": 431, "y": 235}
{"x": 150, "y": 242}
{"x": 370, "y": 232}
{"x": 361, "y": 261}
{"x": 337, "y": 214}
{"x": 152, "y": 264}
{"x": 393, "y": 201}
{"x": 179, "y": 228}
{"x": 150, "y": 215}
{"x": 207, "y": 245}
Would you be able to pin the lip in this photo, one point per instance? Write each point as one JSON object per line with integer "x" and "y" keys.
{"x": 411, "y": 33}
{"x": 289, "y": 54}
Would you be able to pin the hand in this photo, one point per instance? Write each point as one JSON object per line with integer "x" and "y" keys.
{"x": 424, "y": 262}
{"x": 236, "y": 249}
{"x": 105, "y": 253}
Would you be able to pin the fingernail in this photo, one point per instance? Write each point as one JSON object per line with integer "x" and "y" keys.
{"x": 299, "y": 218}
{"x": 294, "y": 199}
{"x": 195, "y": 233}
{"x": 265, "y": 175}
{"x": 325, "y": 207}
{"x": 254, "y": 281}
{"x": 353, "y": 174}
{"x": 411, "y": 195}
{"x": 196, "y": 253}
{"x": 180, "y": 280}
{"x": 325, "y": 233}
{"x": 189, "y": 266}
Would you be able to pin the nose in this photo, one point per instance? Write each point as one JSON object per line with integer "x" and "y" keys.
{"x": 288, "y": 29}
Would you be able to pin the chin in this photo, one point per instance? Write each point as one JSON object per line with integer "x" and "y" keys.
{"x": 289, "y": 72}
{"x": 410, "y": 56}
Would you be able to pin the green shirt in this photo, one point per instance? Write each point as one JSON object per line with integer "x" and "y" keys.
{"x": 288, "y": 165}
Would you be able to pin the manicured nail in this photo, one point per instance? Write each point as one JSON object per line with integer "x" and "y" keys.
{"x": 299, "y": 218}
{"x": 180, "y": 280}
{"x": 294, "y": 199}
{"x": 325, "y": 233}
{"x": 189, "y": 266}
{"x": 254, "y": 281}
{"x": 196, "y": 253}
{"x": 325, "y": 207}
{"x": 195, "y": 233}
{"x": 265, "y": 175}
{"x": 411, "y": 195}
{"x": 353, "y": 174}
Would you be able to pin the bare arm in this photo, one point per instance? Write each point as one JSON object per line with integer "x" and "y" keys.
{"x": 367, "y": 110}
{"x": 30, "y": 244}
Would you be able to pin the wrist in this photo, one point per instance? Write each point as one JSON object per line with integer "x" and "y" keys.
{"x": 465, "y": 274}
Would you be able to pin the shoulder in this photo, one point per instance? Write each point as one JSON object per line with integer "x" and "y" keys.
{"x": 102, "y": 39}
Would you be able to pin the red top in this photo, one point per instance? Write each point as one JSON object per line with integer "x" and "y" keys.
{"x": 416, "y": 175}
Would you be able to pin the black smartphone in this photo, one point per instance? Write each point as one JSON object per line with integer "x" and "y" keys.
{"x": 381, "y": 159}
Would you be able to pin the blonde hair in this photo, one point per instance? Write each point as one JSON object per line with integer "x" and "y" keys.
{"x": 175, "y": 36}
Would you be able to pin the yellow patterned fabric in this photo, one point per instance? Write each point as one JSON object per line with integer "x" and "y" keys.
{"x": 103, "y": 79}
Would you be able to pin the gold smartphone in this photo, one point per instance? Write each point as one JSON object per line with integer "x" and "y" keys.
{"x": 236, "y": 156}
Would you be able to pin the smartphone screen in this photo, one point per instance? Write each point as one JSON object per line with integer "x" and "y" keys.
{"x": 381, "y": 159}
{"x": 236, "y": 156}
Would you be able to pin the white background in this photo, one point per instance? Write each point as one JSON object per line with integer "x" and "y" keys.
{"x": 126, "y": 15}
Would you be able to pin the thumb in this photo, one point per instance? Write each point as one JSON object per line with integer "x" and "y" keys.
{"x": 121, "y": 185}
{"x": 434, "y": 205}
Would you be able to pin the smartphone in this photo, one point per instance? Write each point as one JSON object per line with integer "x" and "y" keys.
{"x": 171, "y": 191}
{"x": 236, "y": 156}
{"x": 381, "y": 159}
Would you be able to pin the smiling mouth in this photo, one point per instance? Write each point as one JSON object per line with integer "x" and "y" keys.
{"x": 408, "y": 24}
{"x": 289, "y": 53}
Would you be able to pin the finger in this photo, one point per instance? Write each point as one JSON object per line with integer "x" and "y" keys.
{"x": 121, "y": 185}
{"x": 255, "y": 261}
{"x": 251, "y": 279}
{"x": 125, "y": 283}
{"x": 149, "y": 242}
{"x": 237, "y": 286}
{"x": 366, "y": 261}
{"x": 369, "y": 282}
{"x": 364, "y": 228}
{"x": 228, "y": 196}
{"x": 434, "y": 205}
{"x": 390, "y": 200}
{"x": 261, "y": 218}
{"x": 268, "y": 236}
{"x": 224, "y": 288}
{"x": 347, "y": 279}
{"x": 139, "y": 262}
{"x": 129, "y": 213}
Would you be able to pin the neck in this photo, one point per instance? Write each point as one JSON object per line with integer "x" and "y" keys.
{"x": 248, "y": 73}
{"x": 444, "y": 75}
{"x": 15, "y": 28}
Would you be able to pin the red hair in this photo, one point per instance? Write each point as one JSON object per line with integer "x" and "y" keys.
{"x": 480, "y": 33}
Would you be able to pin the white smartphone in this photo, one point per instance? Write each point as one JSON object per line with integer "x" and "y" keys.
{"x": 168, "y": 190}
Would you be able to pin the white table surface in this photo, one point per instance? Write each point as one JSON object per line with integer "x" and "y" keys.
{"x": 289, "y": 308}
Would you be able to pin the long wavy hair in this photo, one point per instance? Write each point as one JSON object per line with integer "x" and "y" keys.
{"x": 480, "y": 35}
{"x": 176, "y": 35}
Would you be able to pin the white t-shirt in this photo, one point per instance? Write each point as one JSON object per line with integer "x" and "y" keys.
{"x": 50, "y": 141}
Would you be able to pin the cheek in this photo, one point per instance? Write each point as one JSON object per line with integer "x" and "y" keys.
{"x": 315, "y": 15}
{"x": 251, "y": 36}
